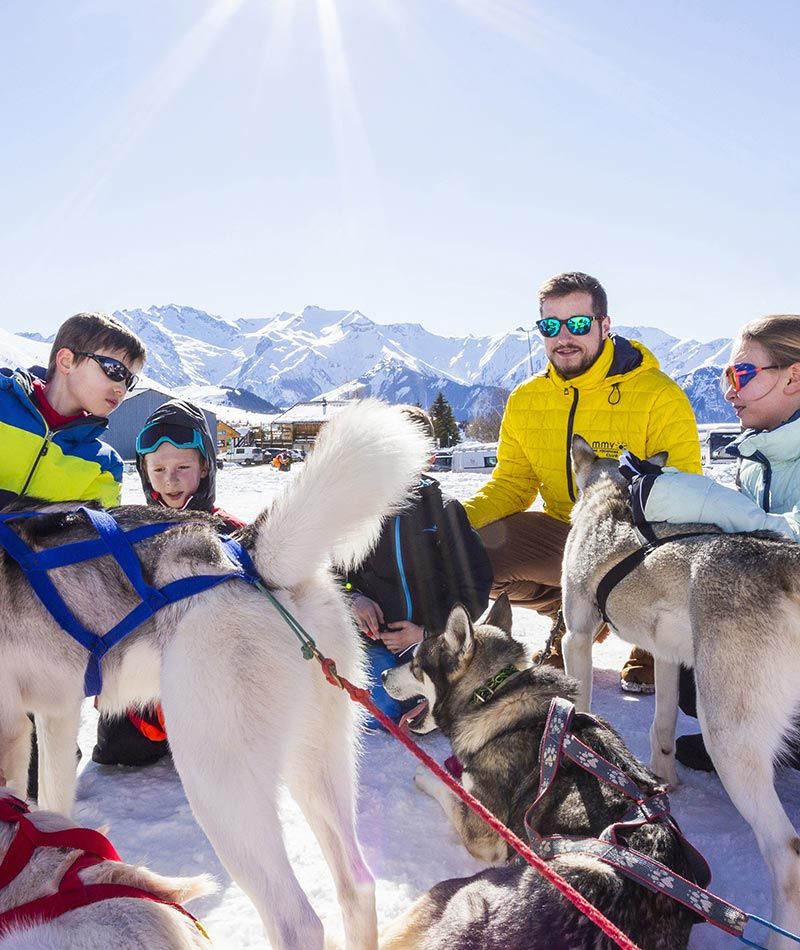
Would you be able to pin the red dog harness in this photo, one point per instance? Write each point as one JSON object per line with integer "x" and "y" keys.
{"x": 72, "y": 892}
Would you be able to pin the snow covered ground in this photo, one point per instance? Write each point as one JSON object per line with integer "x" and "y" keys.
{"x": 408, "y": 845}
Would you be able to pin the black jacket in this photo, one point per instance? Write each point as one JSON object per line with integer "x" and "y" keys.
{"x": 427, "y": 559}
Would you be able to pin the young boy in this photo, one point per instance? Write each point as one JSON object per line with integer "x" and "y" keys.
{"x": 51, "y": 424}
{"x": 176, "y": 460}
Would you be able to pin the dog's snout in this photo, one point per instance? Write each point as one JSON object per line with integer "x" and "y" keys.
{"x": 384, "y": 675}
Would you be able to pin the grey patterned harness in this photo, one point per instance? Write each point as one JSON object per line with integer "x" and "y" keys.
{"x": 558, "y": 741}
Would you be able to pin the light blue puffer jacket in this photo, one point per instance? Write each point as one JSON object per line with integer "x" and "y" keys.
{"x": 769, "y": 477}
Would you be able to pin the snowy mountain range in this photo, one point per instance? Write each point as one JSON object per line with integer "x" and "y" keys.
{"x": 293, "y": 357}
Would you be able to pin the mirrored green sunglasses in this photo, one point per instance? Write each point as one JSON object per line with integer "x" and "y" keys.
{"x": 577, "y": 326}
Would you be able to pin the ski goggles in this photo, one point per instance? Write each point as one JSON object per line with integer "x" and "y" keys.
{"x": 738, "y": 375}
{"x": 577, "y": 326}
{"x": 157, "y": 433}
{"x": 114, "y": 369}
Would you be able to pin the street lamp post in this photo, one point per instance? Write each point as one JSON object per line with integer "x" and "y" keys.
{"x": 527, "y": 333}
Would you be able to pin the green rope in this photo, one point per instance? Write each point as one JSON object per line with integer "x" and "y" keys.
{"x": 309, "y": 647}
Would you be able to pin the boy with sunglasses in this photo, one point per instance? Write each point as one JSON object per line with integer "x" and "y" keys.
{"x": 176, "y": 461}
{"x": 605, "y": 388}
{"x": 51, "y": 422}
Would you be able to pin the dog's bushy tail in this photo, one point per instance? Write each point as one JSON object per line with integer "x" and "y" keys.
{"x": 363, "y": 465}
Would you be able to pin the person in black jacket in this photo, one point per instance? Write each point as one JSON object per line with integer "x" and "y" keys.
{"x": 428, "y": 559}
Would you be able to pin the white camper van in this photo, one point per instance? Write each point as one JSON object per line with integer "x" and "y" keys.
{"x": 466, "y": 458}
{"x": 245, "y": 455}
{"x": 475, "y": 457}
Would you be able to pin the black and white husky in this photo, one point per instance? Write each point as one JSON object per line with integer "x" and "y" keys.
{"x": 497, "y": 741}
{"x": 243, "y": 709}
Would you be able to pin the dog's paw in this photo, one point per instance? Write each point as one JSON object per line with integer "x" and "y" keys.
{"x": 426, "y": 781}
{"x": 663, "y": 764}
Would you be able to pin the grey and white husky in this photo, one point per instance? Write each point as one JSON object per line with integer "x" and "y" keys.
{"x": 243, "y": 709}
{"x": 512, "y": 907}
{"x": 726, "y": 605}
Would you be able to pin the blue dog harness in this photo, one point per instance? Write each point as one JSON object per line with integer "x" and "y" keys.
{"x": 111, "y": 540}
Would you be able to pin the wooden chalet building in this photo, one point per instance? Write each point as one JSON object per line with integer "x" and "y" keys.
{"x": 300, "y": 425}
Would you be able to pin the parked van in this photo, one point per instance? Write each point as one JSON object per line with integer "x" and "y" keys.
{"x": 442, "y": 461}
{"x": 474, "y": 458}
{"x": 715, "y": 437}
{"x": 245, "y": 455}
{"x": 466, "y": 458}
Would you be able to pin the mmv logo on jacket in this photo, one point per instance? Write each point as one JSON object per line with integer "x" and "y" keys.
{"x": 608, "y": 450}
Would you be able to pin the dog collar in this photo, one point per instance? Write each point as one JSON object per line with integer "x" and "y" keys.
{"x": 484, "y": 693}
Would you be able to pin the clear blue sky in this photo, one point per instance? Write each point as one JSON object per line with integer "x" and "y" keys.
{"x": 425, "y": 160}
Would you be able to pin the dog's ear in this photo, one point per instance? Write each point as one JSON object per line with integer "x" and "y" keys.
{"x": 500, "y": 614}
{"x": 660, "y": 459}
{"x": 583, "y": 458}
{"x": 458, "y": 636}
{"x": 582, "y": 453}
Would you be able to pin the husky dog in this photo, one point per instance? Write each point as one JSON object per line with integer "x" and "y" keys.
{"x": 497, "y": 742}
{"x": 727, "y": 605}
{"x": 243, "y": 709}
{"x": 114, "y": 924}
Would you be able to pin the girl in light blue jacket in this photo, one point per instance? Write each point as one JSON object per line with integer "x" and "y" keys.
{"x": 762, "y": 383}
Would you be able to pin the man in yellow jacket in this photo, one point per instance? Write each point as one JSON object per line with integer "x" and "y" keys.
{"x": 605, "y": 388}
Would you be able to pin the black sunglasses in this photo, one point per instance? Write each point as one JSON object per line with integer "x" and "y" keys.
{"x": 114, "y": 369}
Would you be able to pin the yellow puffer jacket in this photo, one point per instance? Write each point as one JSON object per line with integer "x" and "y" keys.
{"x": 622, "y": 401}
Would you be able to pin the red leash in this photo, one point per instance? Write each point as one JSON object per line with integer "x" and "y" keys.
{"x": 363, "y": 697}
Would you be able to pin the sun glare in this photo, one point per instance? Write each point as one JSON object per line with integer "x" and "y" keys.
{"x": 129, "y": 125}
{"x": 354, "y": 153}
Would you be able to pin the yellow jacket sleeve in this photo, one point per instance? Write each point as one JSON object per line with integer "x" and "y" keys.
{"x": 514, "y": 485}
{"x": 106, "y": 489}
{"x": 672, "y": 428}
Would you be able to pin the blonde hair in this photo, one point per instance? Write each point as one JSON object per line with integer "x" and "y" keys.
{"x": 779, "y": 334}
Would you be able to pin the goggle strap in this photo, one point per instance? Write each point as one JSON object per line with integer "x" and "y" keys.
{"x": 196, "y": 443}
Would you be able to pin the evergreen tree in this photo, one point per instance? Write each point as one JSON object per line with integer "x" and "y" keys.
{"x": 445, "y": 426}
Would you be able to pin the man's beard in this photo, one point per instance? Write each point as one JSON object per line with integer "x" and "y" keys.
{"x": 577, "y": 369}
